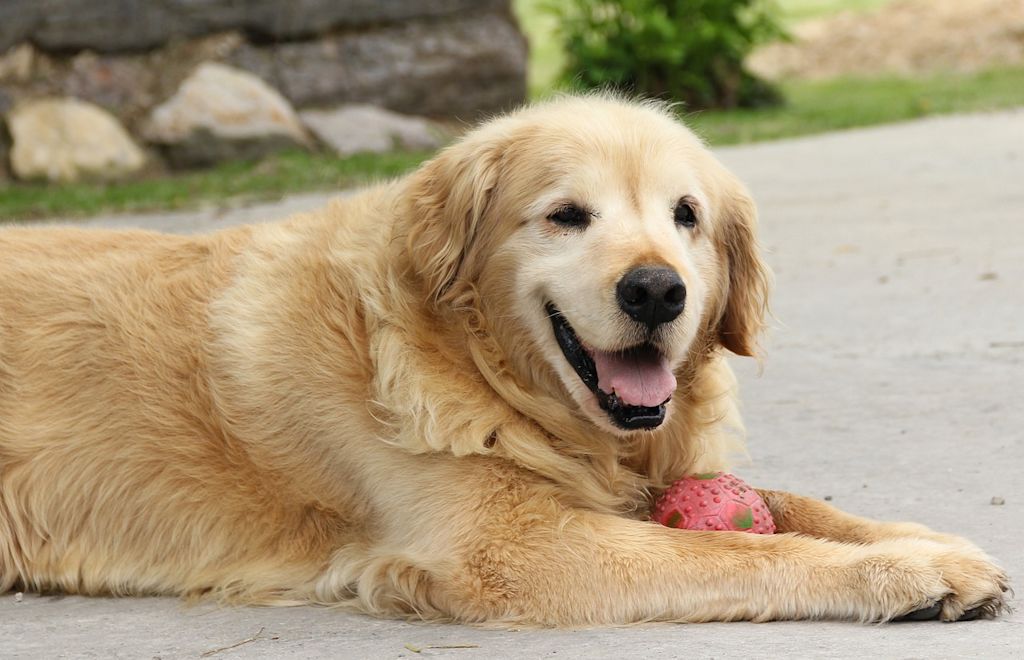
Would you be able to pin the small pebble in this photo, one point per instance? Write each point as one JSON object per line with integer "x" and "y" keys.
{"x": 828, "y": 498}
{"x": 18, "y": 597}
{"x": 997, "y": 501}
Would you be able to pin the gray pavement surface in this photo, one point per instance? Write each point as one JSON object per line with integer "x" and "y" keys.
{"x": 893, "y": 384}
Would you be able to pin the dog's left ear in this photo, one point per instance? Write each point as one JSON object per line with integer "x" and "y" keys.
{"x": 450, "y": 196}
{"x": 749, "y": 279}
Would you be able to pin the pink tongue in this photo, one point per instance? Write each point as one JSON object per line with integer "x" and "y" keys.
{"x": 639, "y": 379}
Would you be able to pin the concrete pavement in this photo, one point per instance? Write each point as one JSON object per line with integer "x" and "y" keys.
{"x": 893, "y": 385}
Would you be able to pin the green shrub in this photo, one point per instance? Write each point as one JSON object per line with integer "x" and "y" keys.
{"x": 687, "y": 50}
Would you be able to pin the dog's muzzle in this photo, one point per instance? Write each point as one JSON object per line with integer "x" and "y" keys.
{"x": 633, "y": 386}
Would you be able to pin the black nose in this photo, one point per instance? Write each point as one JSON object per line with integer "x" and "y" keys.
{"x": 651, "y": 295}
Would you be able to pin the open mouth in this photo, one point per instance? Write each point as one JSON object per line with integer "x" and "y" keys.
{"x": 632, "y": 386}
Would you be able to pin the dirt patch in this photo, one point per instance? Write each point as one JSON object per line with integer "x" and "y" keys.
{"x": 905, "y": 37}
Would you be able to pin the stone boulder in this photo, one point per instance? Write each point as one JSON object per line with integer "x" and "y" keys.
{"x": 127, "y": 25}
{"x": 18, "y": 19}
{"x": 65, "y": 140}
{"x": 356, "y": 129}
{"x": 17, "y": 63}
{"x": 221, "y": 113}
{"x": 421, "y": 62}
{"x": 128, "y": 85}
{"x": 460, "y": 67}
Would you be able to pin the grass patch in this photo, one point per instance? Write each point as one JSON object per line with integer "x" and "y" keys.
{"x": 794, "y": 11}
{"x": 819, "y": 106}
{"x": 268, "y": 179}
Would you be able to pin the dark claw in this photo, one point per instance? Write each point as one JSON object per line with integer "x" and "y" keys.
{"x": 924, "y": 614}
{"x": 973, "y": 613}
{"x": 987, "y": 610}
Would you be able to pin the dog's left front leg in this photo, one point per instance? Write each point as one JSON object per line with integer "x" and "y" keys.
{"x": 579, "y": 567}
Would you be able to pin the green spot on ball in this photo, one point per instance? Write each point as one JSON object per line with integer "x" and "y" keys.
{"x": 744, "y": 519}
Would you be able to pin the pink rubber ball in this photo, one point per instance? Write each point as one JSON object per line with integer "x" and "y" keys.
{"x": 713, "y": 502}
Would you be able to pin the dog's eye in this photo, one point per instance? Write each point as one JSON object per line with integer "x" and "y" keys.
{"x": 685, "y": 216}
{"x": 570, "y": 215}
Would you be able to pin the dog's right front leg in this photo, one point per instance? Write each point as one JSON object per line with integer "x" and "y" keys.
{"x": 594, "y": 568}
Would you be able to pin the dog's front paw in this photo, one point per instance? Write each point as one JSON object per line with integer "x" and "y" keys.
{"x": 978, "y": 586}
{"x": 917, "y": 579}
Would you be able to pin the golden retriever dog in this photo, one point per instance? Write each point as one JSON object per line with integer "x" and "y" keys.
{"x": 451, "y": 396}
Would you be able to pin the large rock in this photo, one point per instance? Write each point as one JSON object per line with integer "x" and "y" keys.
{"x": 221, "y": 113}
{"x": 356, "y": 129}
{"x": 129, "y": 85}
{"x": 461, "y": 67}
{"x": 18, "y": 18}
{"x": 64, "y": 140}
{"x": 16, "y": 64}
{"x": 122, "y": 25}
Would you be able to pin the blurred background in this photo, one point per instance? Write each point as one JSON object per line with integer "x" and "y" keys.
{"x": 125, "y": 105}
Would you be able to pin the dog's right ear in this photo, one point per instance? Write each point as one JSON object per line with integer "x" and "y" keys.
{"x": 450, "y": 196}
{"x": 749, "y": 278}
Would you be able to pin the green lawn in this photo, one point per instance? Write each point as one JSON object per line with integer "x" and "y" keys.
{"x": 268, "y": 179}
{"x": 819, "y": 106}
{"x": 800, "y": 10}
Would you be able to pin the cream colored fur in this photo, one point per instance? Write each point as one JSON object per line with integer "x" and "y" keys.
{"x": 366, "y": 406}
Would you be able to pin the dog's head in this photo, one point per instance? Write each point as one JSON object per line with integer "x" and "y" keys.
{"x": 606, "y": 247}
